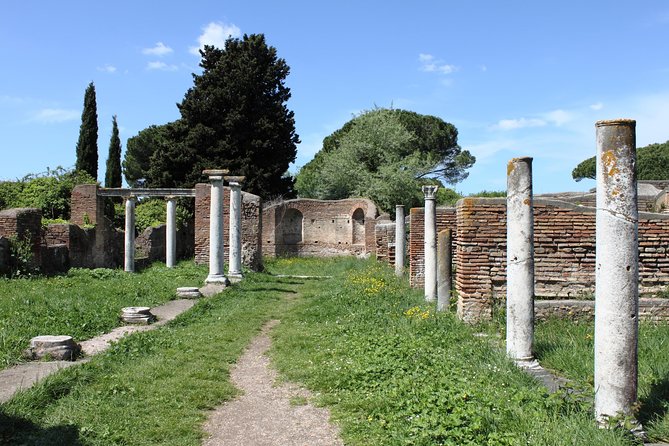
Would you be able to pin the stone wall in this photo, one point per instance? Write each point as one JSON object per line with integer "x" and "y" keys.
{"x": 23, "y": 224}
{"x": 152, "y": 243}
{"x": 564, "y": 244}
{"x": 252, "y": 224}
{"x": 446, "y": 219}
{"x": 650, "y": 309}
{"x": 384, "y": 236}
{"x": 306, "y": 227}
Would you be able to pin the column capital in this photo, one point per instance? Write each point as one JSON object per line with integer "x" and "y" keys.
{"x": 170, "y": 197}
{"x": 235, "y": 180}
{"x": 215, "y": 174}
{"x": 430, "y": 192}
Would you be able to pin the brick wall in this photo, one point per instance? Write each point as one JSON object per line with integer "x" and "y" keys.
{"x": 252, "y": 225}
{"x": 306, "y": 227}
{"x": 86, "y": 208}
{"x": 446, "y": 219}
{"x": 384, "y": 235}
{"x": 23, "y": 223}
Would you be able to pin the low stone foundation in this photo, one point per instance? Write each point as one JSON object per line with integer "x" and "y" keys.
{"x": 650, "y": 309}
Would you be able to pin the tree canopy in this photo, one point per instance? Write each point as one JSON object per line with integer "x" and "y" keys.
{"x": 113, "y": 173}
{"x": 652, "y": 164}
{"x": 87, "y": 145}
{"x": 385, "y": 155}
{"x": 234, "y": 117}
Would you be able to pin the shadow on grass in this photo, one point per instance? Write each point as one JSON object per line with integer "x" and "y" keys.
{"x": 654, "y": 406}
{"x": 15, "y": 430}
{"x": 543, "y": 348}
{"x": 275, "y": 289}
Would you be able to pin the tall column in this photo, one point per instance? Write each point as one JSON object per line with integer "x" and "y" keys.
{"x": 444, "y": 269}
{"x": 617, "y": 270}
{"x": 171, "y": 233}
{"x": 430, "y": 243}
{"x": 400, "y": 240}
{"x": 235, "y": 244}
{"x": 216, "y": 254}
{"x": 519, "y": 260}
{"x": 129, "y": 234}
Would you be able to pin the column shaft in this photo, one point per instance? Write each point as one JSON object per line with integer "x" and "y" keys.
{"x": 171, "y": 233}
{"x": 616, "y": 270}
{"x": 444, "y": 269}
{"x": 216, "y": 247}
{"x": 519, "y": 260}
{"x": 430, "y": 243}
{"x": 235, "y": 241}
{"x": 400, "y": 240}
{"x": 129, "y": 261}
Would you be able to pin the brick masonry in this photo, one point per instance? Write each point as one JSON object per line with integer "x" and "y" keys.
{"x": 446, "y": 219}
{"x": 252, "y": 224}
{"x": 23, "y": 224}
{"x": 307, "y": 227}
{"x": 564, "y": 245}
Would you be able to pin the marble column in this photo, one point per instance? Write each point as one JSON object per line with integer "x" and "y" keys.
{"x": 616, "y": 271}
{"x": 519, "y": 260}
{"x": 129, "y": 263}
{"x": 171, "y": 233}
{"x": 444, "y": 269}
{"x": 400, "y": 240}
{"x": 235, "y": 243}
{"x": 430, "y": 243}
{"x": 216, "y": 247}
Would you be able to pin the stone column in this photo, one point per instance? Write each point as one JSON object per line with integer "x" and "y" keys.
{"x": 130, "y": 234}
{"x": 216, "y": 254}
{"x": 400, "y": 240}
{"x": 171, "y": 233}
{"x": 616, "y": 270}
{"x": 445, "y": 265}
{"x": 235, "y": 244}
{"x": 430, "y": 243}
{"x": 519, "y": 260}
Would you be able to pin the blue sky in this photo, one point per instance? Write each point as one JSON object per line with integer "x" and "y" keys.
{"x": 517, "y": 78}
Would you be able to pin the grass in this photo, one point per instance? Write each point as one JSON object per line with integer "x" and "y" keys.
{"x": 392, "y": 371}
{"x": 568, "y": 347}
{"x": 82, "y": 304}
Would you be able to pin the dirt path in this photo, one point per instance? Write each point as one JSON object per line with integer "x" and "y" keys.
{"x": 264, "y": 415}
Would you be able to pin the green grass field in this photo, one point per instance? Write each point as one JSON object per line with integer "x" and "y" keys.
{"x": 392, "y": 371}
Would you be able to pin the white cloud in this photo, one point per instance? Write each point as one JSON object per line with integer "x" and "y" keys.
{"x": 430, "y": 64}
{"x": 160, "y": 65}
{"x": 558, "y": 117}
{"x": 597, "y": 106}
{"x": 513, "y": 124}
{"x": 107, "y": 68}
{"x": 216, "y": 33}
{"x": 53, "y": 115}
{"x": 159, "y": 50}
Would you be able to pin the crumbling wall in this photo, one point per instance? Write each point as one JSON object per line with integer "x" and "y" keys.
{"x": 307, "y": 227}
{"x": 23, "y": 224}
{"x": 446, "y": 219}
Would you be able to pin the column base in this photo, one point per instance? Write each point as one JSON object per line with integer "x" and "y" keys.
{"x": 218, "y": 279}
{"x": 235, "y": 277}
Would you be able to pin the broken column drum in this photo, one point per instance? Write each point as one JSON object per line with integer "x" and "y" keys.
{"x": 137, "y": 315}
{"x": 129, "y": 264}
{"x": 235, "y": 244}
{"x": 616, "y": 271}
{"x": 430, "y": 243}
{"x": 57, "y": 348}
{"x": 216, "y": 253}
{"x": 400, "y": 240}
{"x": 519, "y": 260}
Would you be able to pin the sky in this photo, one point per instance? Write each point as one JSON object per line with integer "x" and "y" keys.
{"x": 517, "y": 78}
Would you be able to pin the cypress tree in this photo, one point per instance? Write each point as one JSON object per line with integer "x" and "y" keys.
{"x": 113, "y": 173}
{"x": 87, "y": 145}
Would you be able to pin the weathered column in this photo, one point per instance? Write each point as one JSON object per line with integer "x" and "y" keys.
{"x": 519, "y": 260}
{"x": 617, "y": 270}
{"x": 444, "y": 267}
{"x": 171, "y": 233}
{"x": 430, "y": 243}
{"x": 235, "y": 244}
{"x": 400, "y": 240}
{"x": 216, "y": 254}
{"x": 130, "y": 234}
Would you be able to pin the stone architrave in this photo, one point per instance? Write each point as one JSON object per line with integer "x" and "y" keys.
{"x": 216, "y": 247}
{"x": 430, "y": 243}
{"x": 616, "y": 271}
{"x": 400, "y": 240}
{"x": 171, "y": 233}
{"x": 235, "y": 243}
{"x": 444, "y": 269}
{"x": 129, "y": 263}
{"x": 519, "y": 260}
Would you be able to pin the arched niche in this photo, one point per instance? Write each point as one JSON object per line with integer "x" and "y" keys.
{"x": 358, "y": 221}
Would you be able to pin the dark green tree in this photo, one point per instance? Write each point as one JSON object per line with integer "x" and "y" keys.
{"x": 234, "y": 117}
{"x": 138, "y": 152}
{"x": 113, "y": 174}
{"x": 652, "y": 163}
{"x": 87, "y": 145}
{"x": 385, "y": 155}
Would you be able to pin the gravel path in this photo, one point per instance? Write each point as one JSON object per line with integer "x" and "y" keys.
{"x": 264, "y": 415}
